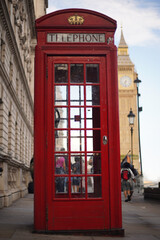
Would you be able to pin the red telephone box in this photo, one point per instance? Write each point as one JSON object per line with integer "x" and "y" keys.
{"x": 77, "y": 154}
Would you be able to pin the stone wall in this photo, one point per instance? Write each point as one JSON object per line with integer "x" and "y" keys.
{"x": 17, "y": 42}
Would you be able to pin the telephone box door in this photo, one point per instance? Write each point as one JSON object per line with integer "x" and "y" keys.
{"x": 77, "y": 150}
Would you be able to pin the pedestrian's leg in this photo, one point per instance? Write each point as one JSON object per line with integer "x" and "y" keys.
{"x": 129, "y": 195}
{"x": 125, "y": 189}
{"x": 131, "y": 188}
{"x": 126, "y": 195}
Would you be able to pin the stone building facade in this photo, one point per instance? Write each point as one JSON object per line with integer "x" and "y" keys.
{"x": 17, "y": 43}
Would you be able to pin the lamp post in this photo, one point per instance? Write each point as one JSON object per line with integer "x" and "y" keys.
{"x": 131, "y": 117}
{"x": 137, "y": 81}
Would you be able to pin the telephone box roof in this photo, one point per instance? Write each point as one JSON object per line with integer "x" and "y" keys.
{"x": 59, "y": 20}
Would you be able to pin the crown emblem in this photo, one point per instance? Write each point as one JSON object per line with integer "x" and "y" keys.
{"x": 76, "y": 20}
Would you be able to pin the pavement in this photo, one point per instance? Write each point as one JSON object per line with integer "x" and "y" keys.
{"x": 141, "y": 221}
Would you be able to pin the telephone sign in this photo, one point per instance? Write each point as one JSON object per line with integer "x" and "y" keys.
{"x": 76, "y": 37}
{"x": 76, "y": 151}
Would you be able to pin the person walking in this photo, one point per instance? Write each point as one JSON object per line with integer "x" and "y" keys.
{"x": 75, "y": 179}
{"x": 126, "y": 179}
{"x": 60, "y": 169}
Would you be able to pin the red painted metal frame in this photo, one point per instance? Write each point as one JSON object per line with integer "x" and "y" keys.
{"x": 57, "y": 22}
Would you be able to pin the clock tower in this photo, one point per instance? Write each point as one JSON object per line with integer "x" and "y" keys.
{"x": 127, "y": 101}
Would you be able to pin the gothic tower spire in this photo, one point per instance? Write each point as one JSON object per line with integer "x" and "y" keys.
{"x": 122, "y": 42}
{"x": 123, "y": 56}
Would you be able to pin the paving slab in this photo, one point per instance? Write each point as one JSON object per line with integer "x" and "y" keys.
{"x": 141, "y": 221}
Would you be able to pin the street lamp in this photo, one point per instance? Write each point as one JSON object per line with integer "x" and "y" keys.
{"x": 131, "y": 117}
{"x": 137, "y": 81}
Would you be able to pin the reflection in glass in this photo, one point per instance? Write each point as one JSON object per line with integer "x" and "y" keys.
{"x": 57, "y": 118}
{"x": 77, "y": 95}
{"x": 77, "y": 117}
{"x": 62, "y": 140}
{"x": 92, "y": 95}
{"x": 61, "y": 163}
{"x": 61, "y": 117}
{"x": 77, "y": 75}
{"x": 61, "y": 184}
{"x": 89, "y": 118}
{"x": 77, "y": 140}
{"x": 94, "y": 187}
{"x": 61, "y": 95}
{"x": 92, "y": 73}
{"x": 89, "y": 140}
{"x": 78, "y": 186}
{"x": 93, "y": 117}
{"x": 77, "y": 133}
{"x": 77, "y": 144}
{"x": 90, "y": 144}
{"x": 77, "y": 164}
{"x": 90, "y": 163}
{"x": 61, "y": 73}
{"x": 94, "y": 163}
{"x": 93, "y": 140}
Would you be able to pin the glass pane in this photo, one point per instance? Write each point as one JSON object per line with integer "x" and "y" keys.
{"x": 61, "y": 185}
{"x": 90, "y": 163}
{"x": 94, "y": 163}
{"x": 78, "y": 187}
{"x": 88, "y": 95}
{"x": 61, "y": 140}
{"x": 93, "y": 117}
{"x": 61, "y": 118}
{"x": 61, "y": 73}
{"x": 89, "y": 118}
{"x": 93, "y": 140}
{"x": 94, "y": 187}
{"x": 92, "y": 73}
{"x": 77, "y": 95}
{"x": 77, "y": 144}
{"x": 77, "y": 117}
{"x": 77, "y": 133}
{"x": 77, "y": 73}
{"x": 61, "y": 95}
{"x": 77, "y": 164}
{"x": 92, "y": 95}
{"x": 61, "y": 163}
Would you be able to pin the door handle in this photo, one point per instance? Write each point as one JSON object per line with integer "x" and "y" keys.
{"x": 105, "y": 140}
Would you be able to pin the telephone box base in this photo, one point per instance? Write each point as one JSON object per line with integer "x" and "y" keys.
{"x": 111, "y": 232}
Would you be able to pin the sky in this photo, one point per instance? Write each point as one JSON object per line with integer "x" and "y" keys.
{"x": 141, "y": 28}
